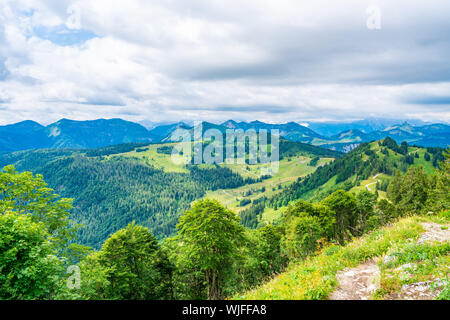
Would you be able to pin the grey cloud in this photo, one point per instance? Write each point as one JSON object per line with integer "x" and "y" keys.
{"x": 430, "y": 100}
{"x": 324, "y": 63}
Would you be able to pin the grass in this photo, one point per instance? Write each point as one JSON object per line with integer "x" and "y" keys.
{"x": 315, "y": 277}
{"x": 289, "y": 171}
{"x": 412, "y": 263}
{"x": 158, "y": 160}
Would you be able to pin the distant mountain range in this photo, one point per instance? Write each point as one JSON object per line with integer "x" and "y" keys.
{"x": 366, "y": 125}
{"x": 100, "y": 133}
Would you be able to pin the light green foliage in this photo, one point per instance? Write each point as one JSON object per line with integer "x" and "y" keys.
{"x": 35, "y": 237}
{"x": 209, "y": 236}
{"x": 262, "y": 256}
{"x": 305, "y": 224}
{"x": 129, "y": 266}
{"x": 27, "y": 194}
{"x": 29, "y": 268}
{"x": 302, "y": 236}
{"x": 315, "y": 277}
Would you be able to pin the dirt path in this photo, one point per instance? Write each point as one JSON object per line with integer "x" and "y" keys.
{"x": 357, "y": 283}
{"x": 360, "y": 283}
{"x": 369, "y": 184}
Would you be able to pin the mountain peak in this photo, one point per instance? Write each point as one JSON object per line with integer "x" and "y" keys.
{"x": 230, "y": 124}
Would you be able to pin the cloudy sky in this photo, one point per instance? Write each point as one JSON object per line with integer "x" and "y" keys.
{"x": 271, "y": 60}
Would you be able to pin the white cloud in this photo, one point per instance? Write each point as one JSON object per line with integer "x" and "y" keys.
{"x": 215, "y": 60}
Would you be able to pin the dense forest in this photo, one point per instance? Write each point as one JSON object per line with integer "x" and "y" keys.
{"x": 212, "y": 256}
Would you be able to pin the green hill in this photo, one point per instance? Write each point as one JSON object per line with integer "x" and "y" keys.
{"x": 371, "y": 165}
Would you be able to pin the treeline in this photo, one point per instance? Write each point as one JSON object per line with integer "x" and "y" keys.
{"x": 115, "y": 149}
{"x": 216, "y": 177}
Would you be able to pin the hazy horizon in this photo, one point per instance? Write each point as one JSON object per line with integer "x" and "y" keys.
{"x": 306, "y": 123}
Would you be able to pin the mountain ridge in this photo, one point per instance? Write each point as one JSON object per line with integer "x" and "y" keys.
{"x": 66, "y": 133}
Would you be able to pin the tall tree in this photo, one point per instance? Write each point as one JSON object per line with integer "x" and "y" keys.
{"x": 136, "y": 269}
{"x": 28, "y": 194}
{"x": 365, "y": 202}
{"x": 210, "y": 235}
{"x": 344, "y": 205}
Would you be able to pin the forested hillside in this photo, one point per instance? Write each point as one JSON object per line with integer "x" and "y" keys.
{"x": 113, "y": 186}
{"x": 354, "y": 171}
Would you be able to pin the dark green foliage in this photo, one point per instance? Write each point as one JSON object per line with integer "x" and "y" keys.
{"x": 409, "y": 159}
{"x": 111, "y": 194}
{"x": 131, "y": 265}
{"x": 391, "y": 144}
{"x": 411, "y": 191}
{"x": 218, "y": 177}
{"x": 208, "y": 238}
{"x": 365, "y": 205}
{"x": 262, "y": 255}
{"x": 116, "y": 149}
{"x": 29, "y": 268}
{"x": 290, "y": 148}
{"x": 165, "y": 150}
{"x": 345, "y": 206}
{"x": 314, "y": 161}
{"x": 244, "y": 202}
{"x": 437, "y": 154}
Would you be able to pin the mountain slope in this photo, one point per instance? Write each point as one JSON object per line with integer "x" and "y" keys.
{"x": 94, "y": 134}
{"x": 366, "y": 126}
{"x": 356, "y": 170}
{"x": 292, "y": 130}
{"x": 23, "y": 135}
{"x": 71, "y": 134}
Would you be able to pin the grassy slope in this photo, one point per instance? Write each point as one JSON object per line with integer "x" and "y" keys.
{"x": 315, "y": 277}
{"x": 155, "y": 159}
{"x": 270, "y": 214}
{"x": 289, "y": 171}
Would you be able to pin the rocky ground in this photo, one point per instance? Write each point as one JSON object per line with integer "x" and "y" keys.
{"x": 360, "y": 283}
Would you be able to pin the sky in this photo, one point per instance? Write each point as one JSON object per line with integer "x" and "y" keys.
{"x": 214, "y": 60}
